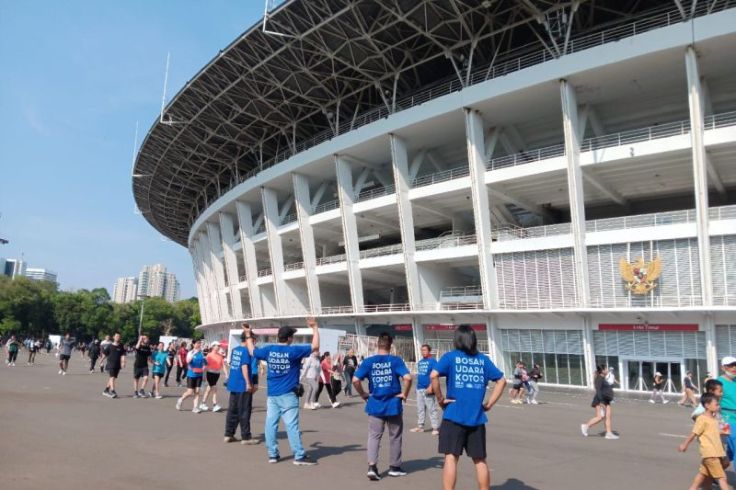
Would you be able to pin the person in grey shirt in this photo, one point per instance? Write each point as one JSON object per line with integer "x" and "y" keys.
{"x": 310, "y": 375}
{"x": 65, "y": 352}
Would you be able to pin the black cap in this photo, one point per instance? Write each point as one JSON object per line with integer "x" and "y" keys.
{"x": 285, "y": 333}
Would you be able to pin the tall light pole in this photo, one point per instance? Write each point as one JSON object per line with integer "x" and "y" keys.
{"x": 140, "y": 319}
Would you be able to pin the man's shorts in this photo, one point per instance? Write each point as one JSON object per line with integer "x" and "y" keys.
{"x": 64, "y": 357}
{"x": 140, "y": 372}
{"x": 194, "y": 383}
{"x": 113, "y": 372}
{"x": 454, "y": 438}
{"x": 714, "y": 467}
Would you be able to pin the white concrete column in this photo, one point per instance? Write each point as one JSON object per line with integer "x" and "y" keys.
{"x": 303, "y": 206}
{"x": 494, "y": 343}
{"x": 575, "y": 190}
{"x": 350, "y": 231}
{"x": 700, "y": 173}
{"x": 212, "y": 294}
{"x": 710, "y": 344}
{"x": 245, "y": 222}
{"x": 481, "y": 206}
{"x": 417, "y": 331}
{"x": 588, "y": 352}
{"x": 204, "y": 306}
{"x": 215, "y": 241}
{"x": 275, "y": 248}
{"x": 227, "y": 231}
{"x": 402, "y": 184}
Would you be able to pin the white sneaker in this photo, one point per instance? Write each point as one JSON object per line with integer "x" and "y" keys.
{"x": 178, "y": 404}
{"x": 196, "y": 410}
{"x": 651, "y": 401}
{"x": 535, "y": 402}
{"x": 60, "y": 371}
{"x": 203, "y": 407}
{"x": 216, "y": 408}
{"x": 666, "y": 402}
{"x": 611, "y": 435}
{"x": 316, "y": 406}
{"x": 584, "y": 429}
{"x": 336, "y": 404}
{"x": 63, "y": 374}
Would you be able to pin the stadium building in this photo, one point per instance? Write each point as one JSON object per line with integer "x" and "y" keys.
{"x": 559, "y": 174}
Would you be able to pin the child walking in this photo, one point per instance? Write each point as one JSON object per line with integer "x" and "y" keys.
{"x": 713, "y": 462}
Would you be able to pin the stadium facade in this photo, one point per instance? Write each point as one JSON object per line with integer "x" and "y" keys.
{"x": 559, "y": 174}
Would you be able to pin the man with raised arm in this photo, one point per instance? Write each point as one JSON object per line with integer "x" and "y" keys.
{"x": 283, "y": 365}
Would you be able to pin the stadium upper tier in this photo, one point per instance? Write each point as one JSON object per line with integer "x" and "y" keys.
{"x": 327, "y": 67}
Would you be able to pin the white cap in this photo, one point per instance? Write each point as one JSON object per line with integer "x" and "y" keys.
{"x": 215, "y": 344}
{"x": 728, "y": 360}
{"x": 658, "y": 373}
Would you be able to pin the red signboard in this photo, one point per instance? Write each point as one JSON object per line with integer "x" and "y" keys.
{"x": 650, "y": 327}
{"x": 402, "y": 328}
{"x": 435, "y": 328}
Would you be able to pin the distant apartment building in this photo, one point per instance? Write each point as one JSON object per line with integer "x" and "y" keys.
{"x": 40, "y": 274}
{"x": 155, "y": 281}
{"x": 125, "y": 290}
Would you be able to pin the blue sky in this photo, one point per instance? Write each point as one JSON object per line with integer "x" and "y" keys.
{"x": 76, "y": 76}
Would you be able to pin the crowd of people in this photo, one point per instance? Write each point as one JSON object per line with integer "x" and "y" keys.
{"x": 457, "y": 418}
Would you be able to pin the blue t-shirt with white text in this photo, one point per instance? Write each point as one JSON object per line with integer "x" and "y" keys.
{"x": 384, "y": 373}
{"x": 424, "y": 368}
{"x": 467, "y": 378}
{"x": 238, "y": 357}
{"x": 284, "y": 363}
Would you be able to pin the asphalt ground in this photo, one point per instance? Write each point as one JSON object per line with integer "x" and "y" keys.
{"x": 59, "y": 432}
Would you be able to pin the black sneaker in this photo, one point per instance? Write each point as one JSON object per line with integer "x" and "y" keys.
{"x": 136, "y": 395}
{"x": 113, "y": 394}
{"x": 274, "y": 459}
{"x": 373, "y": 474}
{"x": 107, "y": 393}
{"x": 396, "y": 471}
{"x": 304, "y": 461}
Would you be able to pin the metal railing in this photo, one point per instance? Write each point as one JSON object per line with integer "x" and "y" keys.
{"x": 336, "y": 310}
{"x": 722, "y": 212}
{"x": 265, "y": 272}
{"x": 388, "y": 308}
{"x": 517, "y": 233}
{"x": 374, "y": 193}
{"x": 260, "y": 229}
{"x": 460, "y": 291}
{"x": 628, "y": 137}
{"x": 294, "y": 266}
{"x": 243, "y": 278}
{"x": 510, "y": 62}
{"x": 289, "y": 218}
{"x": 448, "y": 241}
{"x": 442, "y": 176}
{"x": 382, "y": 251}
{"x": 332, "y": 259}
{"x": 327, "y": 206}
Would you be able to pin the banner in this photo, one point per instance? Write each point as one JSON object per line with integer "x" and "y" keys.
{"x": 650, "y": 327}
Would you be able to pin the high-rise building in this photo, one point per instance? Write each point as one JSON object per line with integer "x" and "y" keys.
{"x": 125, "y": 290}
{"x": 40, "y": 274}
{"x": 12, "y": 267}
{"x": 155, "y": 281}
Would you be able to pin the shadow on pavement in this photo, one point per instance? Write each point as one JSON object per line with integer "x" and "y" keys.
{"x": 513, "y": 484}
{"x": 417, "y": 465}
{"x": 318, "y": 451}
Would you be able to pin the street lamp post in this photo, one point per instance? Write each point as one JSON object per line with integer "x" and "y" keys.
{"x": 140, "y": 319}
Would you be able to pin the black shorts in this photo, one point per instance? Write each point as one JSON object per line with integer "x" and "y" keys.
{"x": 64, "y": 357}
{"x": 194, "y": 383}
{"x": 600, "y": 401}
{"x": 454, "y": 438}
{"x": 158, "y": 375}
{"x": 212, "y": 378}
{"x": 140, "y": 372}
{"x": 113, "y": 371}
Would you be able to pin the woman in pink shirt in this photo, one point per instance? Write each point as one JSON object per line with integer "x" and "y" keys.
{"x": 325, "y": 379}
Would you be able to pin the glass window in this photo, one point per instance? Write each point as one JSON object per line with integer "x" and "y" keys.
{"x": 550, "y": 368}
{"x": 563, "y": 369}
{"x": 577, "y": 370}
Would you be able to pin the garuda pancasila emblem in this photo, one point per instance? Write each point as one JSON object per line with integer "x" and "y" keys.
{"x": 640, "y": 275}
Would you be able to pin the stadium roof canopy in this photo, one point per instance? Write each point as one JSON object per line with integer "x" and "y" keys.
{"x": 327, "y": 66}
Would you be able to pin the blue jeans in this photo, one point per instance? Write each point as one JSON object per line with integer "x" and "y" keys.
{"x": 731, "y": 446}
{"x": 284, "y": 407}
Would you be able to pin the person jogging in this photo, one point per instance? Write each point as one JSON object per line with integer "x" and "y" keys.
{"x": 94, "y": 354}
{"x": 196, "y": 362}
{"x": 181, "y": 363}
{"x": 114, "y": 362}
{"x": 103, "y": 348}
{"x": 215, "y": 360}
{"x": 33, "y": 347}
{"x": 283, "y": 364}
{"x": 171, "y": 354}
{"x": 160, "y": 363}
{"x": 384, "y": 404}
{"x": 140, "y": 367}
{"x": 12, "y": 346}
{"x": 426, "y": 401}
{"x": 463, "y": 428}
{"x": 65, "y": 353}
{"x": 242, "y": 383}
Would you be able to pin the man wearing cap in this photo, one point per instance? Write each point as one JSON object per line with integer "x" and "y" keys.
{"x": 283, "y": 366}
{"x": 728, "y": 401}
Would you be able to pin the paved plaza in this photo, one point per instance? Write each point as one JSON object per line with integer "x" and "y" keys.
{"x": 59, "y": 432}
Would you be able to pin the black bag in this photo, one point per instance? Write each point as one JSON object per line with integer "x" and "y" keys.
{"x": 299, "y": 390}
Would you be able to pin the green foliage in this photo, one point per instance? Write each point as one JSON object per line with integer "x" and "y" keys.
{"x": 37, "y": 308}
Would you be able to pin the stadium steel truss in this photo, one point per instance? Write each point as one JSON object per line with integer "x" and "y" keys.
{"x": 326, "y": 67}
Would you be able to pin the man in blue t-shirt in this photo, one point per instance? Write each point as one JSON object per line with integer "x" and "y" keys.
{"x": 242, "y": 383}
{"x": 464, "y": 422}
{"x": 283, "y": 362}
{"x": 426, "y": 401}
{"x": 383, "y": 403}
